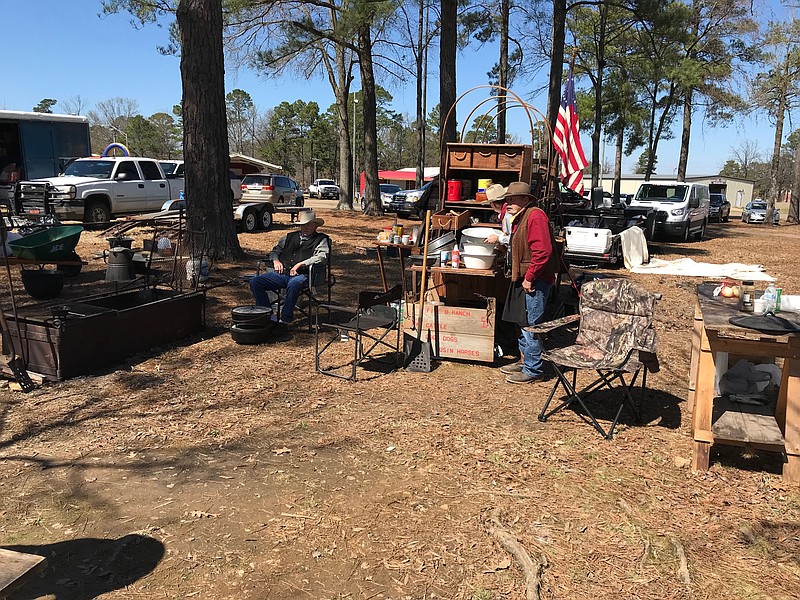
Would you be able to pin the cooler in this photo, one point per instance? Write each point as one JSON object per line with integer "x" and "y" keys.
{"x": 588, "y": 239}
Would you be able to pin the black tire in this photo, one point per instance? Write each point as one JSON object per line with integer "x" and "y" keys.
{"x": 96, "y": 211}
{"x": 301, "y": 201}
{"x": 701, "y": 234}
{"x": 265, "y": 219}
{"x": 71, "y": 270}
{"x": 249, "y": 221}
{"x": 280, "y": 201}
{"x": 727, "y": 218}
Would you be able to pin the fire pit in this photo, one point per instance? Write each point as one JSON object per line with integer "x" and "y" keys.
{"x": 81, "y": 336}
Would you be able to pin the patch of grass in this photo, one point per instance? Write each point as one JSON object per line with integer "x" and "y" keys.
{"x": 482, "y": 594}
{"x": 497, "y": 460}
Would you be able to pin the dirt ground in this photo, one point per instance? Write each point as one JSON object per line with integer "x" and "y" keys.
{"x": 214, "y": 470}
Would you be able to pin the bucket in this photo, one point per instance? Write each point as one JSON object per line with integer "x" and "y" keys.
{"x": 120, "y": 264}
{"x": 454, "y": 187}
{"x": 483, "y": 184}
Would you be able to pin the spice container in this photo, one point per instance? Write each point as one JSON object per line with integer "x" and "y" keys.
{"x": 747, "y": 296}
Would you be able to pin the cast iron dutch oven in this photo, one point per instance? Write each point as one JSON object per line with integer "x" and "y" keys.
{"x": 42, "y": 284}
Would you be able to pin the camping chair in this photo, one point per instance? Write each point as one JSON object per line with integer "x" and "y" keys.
{"x": 373, "y": 325}
{"x": 615, "y": 338}
{"x": 320, "y": 281}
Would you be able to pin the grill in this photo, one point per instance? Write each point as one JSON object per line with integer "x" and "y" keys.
{"x": 33, "y": 198}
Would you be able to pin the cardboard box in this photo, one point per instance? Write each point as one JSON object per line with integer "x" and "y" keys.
{"x": 450, "y": 219}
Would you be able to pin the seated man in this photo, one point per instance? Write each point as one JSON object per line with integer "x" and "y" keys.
{"x": 291, "y": 257}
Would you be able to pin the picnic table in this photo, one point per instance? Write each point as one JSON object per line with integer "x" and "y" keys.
{"x": 720, "y": 421}
{"x": 16, "y": 568}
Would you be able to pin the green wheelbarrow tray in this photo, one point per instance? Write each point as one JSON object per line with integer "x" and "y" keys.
{"x": 55, "y": 243}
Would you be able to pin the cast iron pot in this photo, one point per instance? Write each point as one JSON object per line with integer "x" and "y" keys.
{"x": 125, "y": 242}
{"x": 252, "y": 315}
{"x": 42, "y": 284}
{"x": 246, "y": 333}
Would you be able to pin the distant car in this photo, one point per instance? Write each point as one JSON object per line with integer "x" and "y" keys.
{"x": 756, "y": 212}
{"x": 388, "y": 190}
{"x": 720, "y": 209}
{"x": 175, "y": 168}
{"x": 414, "y": 202}
{"x": 280, "y": 190}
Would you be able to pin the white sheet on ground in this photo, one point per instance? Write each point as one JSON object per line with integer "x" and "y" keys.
{"x": 634, "y": 247}
{"x": 690, "y": 268}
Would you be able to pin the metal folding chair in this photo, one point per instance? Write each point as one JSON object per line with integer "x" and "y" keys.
{"x": 372, "y": 326}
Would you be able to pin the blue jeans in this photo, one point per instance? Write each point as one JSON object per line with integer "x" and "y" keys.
{"x": 529, "y": 345}
{"x": 272, "y": 282}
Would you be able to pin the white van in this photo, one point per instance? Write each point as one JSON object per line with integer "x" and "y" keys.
{"x": 682, "y": 207}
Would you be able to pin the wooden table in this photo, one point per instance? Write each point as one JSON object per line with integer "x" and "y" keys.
{"x": 722, "y": 422}
{"x": 400, "y": 248}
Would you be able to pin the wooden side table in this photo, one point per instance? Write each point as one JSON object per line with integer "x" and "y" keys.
{"x": 718, "y": 421}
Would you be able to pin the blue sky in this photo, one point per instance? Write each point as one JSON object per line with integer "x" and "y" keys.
{"x": 62, "y": 49}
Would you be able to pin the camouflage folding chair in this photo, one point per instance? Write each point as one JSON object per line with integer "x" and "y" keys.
{"x": 615, "y": 338}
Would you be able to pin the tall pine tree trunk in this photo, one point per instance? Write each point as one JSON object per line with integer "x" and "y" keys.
{"x": 205, "y": 128}
{"x": 420, "y": 73}
{"x": 372, "y": 200}
{"x": 503, "y": 75}
{"x": 794, "y": 202}
{"x": 556, "y": 70}
{"x": 683, "y": 157}
{"x": 775, "y": 166}
{"x": 447, "y": 75}
{"x": 618, "y": 164}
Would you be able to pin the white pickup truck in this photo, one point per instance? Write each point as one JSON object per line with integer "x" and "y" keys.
{"x": 324, "y": 188}
{"x": 94, "y": 190}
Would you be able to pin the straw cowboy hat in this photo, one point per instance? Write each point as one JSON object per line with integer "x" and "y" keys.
{"x": 309, "y": 216}
{"x": 516, "y": 189}
{"x": 495, "y": 192}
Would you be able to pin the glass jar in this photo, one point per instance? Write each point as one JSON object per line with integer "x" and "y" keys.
{"x": 747, "y": 297}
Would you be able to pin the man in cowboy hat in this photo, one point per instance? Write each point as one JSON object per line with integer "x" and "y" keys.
{"x": 533, "y": 270}
{"x": 495, "y": 194}
{"x": 291, "y": 257}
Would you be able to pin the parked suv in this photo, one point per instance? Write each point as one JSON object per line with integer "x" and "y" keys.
{"x": 267, "y": 187}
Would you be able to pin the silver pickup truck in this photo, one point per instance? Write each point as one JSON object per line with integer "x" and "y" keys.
{"x": 95, "y": 190}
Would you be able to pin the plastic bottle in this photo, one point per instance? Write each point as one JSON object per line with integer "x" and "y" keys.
{"x": 456, "y": 257}
{"x": 770, "y": 298}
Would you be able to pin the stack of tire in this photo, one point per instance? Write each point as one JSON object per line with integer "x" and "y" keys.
{"x": 251, "y": 324}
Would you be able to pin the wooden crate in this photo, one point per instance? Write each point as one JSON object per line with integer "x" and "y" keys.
{"x": 450, "y": 219}
{"x": 456, "y": 332}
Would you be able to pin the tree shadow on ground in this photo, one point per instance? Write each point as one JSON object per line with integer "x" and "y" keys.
{"x": 88, "y": 567}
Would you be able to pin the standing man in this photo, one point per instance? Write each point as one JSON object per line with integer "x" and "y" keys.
{"x": 533, "y": 270}
{"x": 291, "y": 257}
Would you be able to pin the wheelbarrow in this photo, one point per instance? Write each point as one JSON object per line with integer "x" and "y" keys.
{"x": 51, "y": 245}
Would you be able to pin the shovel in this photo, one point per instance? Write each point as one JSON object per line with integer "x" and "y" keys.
{"x": 418, "y": 354}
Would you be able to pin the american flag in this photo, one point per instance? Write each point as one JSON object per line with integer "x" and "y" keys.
{"x": 567, "y": 139}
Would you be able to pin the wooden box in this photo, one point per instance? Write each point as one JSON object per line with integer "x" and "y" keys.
{"x": 456, "y": 332}
{"x": 450, "y": 219}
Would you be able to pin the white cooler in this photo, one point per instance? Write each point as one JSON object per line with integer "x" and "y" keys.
{"x": 588, "y": 239}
